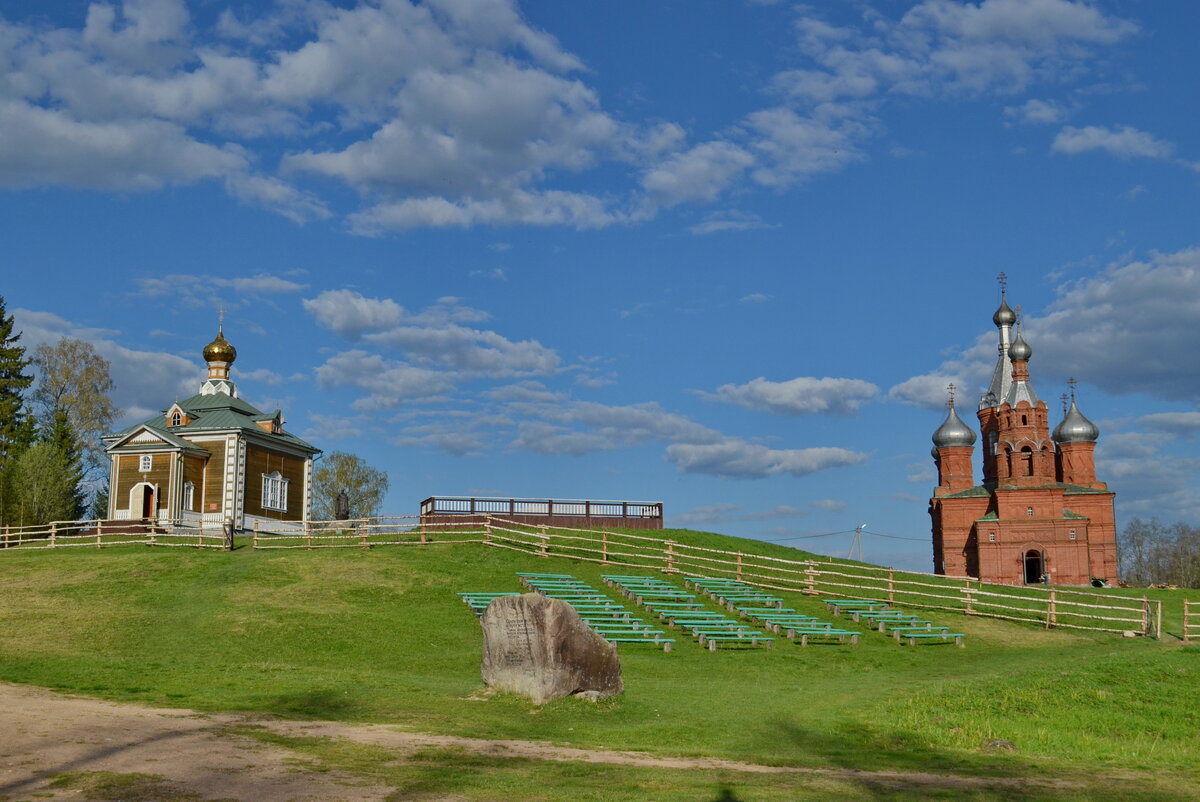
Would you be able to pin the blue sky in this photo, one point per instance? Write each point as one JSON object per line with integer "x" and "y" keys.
{"x": 722, "y": 254}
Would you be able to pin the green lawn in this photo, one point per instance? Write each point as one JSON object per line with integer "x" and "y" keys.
{"x": 380, "y": 636}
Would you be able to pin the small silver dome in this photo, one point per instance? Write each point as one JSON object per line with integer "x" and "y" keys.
{"x": 953, "y": 432}
{"x": 1020, "y": 351}
{"x": 1075, "y": 428}
{"x": 1004, "y": 316}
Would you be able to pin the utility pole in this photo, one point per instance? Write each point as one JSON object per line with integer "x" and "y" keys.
{"x": 857, "y": 541}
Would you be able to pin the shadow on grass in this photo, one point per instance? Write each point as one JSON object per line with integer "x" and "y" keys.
{"x": 318, "y": 703}
{"x": 893, "y": 765}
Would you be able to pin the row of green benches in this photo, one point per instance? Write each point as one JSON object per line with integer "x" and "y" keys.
{"x": 606, "y": 618}
{"x": 681, "y": 609}
{"x": 768, "y": 609}
{"x": 904, "y": 627}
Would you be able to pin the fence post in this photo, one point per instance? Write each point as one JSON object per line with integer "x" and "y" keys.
{"x": 810, "y": 575}
{"x": 891, "y": 586}
{"x": 1187, "y": 614}
{"x": 604, "y": 547}
{"x": 6, "y": 536}
{"x": 423, "y": 538}
{"x": 255, "y": 543}
{"x": 364, "y": 531}
{"x": 487, "y": 530}
{"x": 53, "y": 533}
{"x": 739, "y": 566}
{"x": 1145, "y": 615}
{"x": 1051, "y": 611}
{"x": 99, "y": 532}
{"x": 543, "y": 551}
{"x": 970, "y": 598}
{"x": 670, "y": 569}
{"x": 1158, "y": 619}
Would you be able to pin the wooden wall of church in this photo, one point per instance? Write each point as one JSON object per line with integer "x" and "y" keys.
{"x": 261, "y": 461}
{"x": 214, "y": 476}
{"x": 128, "y": 475}
{"x": 193, "y": 471}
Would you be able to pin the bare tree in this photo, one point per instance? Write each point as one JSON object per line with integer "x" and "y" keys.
{"x": 340, "y": 472}
{"x": 71, "y": 376}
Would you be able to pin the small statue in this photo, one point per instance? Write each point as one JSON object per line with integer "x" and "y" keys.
{"x": 341, "y": 507}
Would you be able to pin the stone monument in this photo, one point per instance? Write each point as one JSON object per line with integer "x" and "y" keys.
{"x": 541, "y": 648}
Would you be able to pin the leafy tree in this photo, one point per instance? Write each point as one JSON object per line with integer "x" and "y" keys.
{"x": 364, "y": 486}
{"x": 16, "y": 428}
{"x": 74, "y": 378}
{"x": 43, "y": 489}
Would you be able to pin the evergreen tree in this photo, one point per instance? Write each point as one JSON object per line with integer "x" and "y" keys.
{"x": 16, "y": 427}
{"x": 62, "y": 437}
{"x": 99, "y": 510}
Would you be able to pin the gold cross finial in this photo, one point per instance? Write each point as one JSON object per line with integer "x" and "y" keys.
{"x": 950, "y": 390}
{"x": 220, "y": 320}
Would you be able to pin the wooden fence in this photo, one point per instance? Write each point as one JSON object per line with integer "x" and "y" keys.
{"x": 1048, "y": 606}
{"x": 1191, "y": 619}
{"x": 100, "y": 533}
{"x": 1052, "y": 607}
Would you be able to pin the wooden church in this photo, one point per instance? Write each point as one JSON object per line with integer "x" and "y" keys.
{"x": 212, "y": 458}
{"x": 1040, "y": 515}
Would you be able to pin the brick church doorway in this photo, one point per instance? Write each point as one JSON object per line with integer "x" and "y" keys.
{"x": 1035, "y": 567}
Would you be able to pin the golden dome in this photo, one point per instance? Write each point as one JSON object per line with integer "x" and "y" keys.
{"x": 219, "y": 350}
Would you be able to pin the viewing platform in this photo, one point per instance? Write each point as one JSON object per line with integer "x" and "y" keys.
{"x": 582, "y": 513}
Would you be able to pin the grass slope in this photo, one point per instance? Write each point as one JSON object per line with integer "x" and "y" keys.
{"x": 381, "y": 636}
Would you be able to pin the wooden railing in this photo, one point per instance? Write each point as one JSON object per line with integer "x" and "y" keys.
{"x": 1191, "y": 620}
{"x": 575, "y": 508}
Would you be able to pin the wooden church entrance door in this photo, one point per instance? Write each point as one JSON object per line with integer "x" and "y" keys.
{"x": 147, "y": 502}
{"x": 1034, "y": 567}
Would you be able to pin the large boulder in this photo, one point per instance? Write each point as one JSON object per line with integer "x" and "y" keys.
{"x": 541, "y": 648}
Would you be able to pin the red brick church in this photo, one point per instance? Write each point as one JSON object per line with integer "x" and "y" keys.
{"x": 1039, "y": 514}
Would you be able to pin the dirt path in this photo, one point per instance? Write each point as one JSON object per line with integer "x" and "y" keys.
{"x": 43, "y": 734}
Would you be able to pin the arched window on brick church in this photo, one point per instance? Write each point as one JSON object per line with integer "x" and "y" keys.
{"x": 1026, "y": 461}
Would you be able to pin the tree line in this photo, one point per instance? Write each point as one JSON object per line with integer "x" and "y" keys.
{"x": 1153, "y": 553}
{"x": 54, "y": 407}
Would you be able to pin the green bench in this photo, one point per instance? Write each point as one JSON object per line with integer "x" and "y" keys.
{"x": 814, "y": 632}
{"x": 913, "y": 637}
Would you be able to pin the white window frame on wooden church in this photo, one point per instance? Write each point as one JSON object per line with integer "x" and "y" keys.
{"x": 145, "y": 463}
{"x": 274, "y": 492}
{"x": 189, "y": 496}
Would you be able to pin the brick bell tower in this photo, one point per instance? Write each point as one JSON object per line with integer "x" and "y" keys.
{"x": 1039, "y": 514}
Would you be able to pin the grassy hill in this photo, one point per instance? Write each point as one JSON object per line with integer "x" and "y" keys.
{"x": 380, "y": 636}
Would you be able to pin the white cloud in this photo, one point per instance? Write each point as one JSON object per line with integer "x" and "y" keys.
{"x": 731, "y": 513}
{"x": 804, "y": 395}
{"x": 755, "y": 298}
{"x": 928, "y": 391}
{"x": 1184, "y": 424}
{"x": 350, "y": 314}
{"x": 737, "y": 459}
{"x": 1037, "y": 112}
{"x": 139, "y": 377}
{"x": 387, "y": 382}
{"x": 1124, "y": 142}
{"x": 699, "y": 174}
{"x": 730, "y": 220}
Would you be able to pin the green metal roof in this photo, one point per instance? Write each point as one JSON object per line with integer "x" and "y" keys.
{"x": 213, "y": 413}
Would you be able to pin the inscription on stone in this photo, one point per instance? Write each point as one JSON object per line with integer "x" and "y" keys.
{"x": 541, "y": 648}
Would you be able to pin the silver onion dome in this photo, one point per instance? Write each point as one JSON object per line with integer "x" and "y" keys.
{"x": 1020, "y": 351}
{"x": 1075, "y": 428}
{"x": 1004, "y": 316}
{"x": 953, "y": 432}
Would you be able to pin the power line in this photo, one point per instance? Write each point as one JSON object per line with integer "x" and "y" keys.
{"x": 806, "y": 537}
